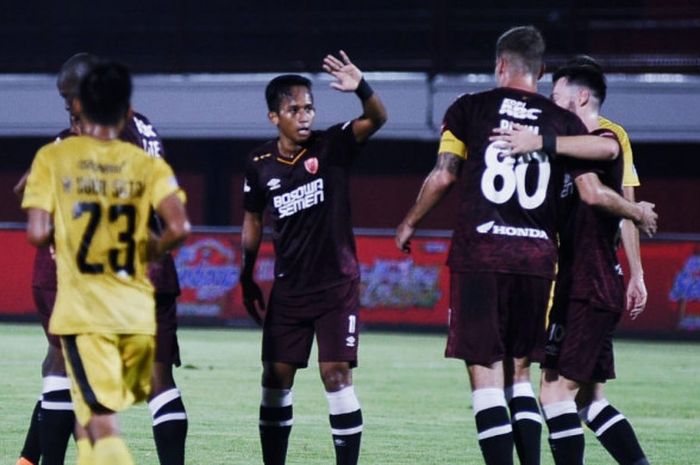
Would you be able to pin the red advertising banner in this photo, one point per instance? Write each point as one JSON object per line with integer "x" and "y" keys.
{"x": 396, "y": 289}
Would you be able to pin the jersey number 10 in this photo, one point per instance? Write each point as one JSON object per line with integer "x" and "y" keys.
{"x": 126, "y": 237}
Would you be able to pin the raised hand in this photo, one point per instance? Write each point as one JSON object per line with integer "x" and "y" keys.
{"x": 347, "y": 74}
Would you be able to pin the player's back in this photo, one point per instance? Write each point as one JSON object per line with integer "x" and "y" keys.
{"x": 100, "y": 194}
{"x": 508, "y": 207}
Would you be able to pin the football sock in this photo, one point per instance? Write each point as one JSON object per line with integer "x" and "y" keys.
{"x": 493, "y": 426}
{"x": 111, "y": 451}
{"x": 169, "y": 426}
{"x": 31, "y": 451}
{"x": 84, "y": 451}
{"x": 527, "y": 422}
{"x": 565, "y": 433}
{"x": 57, "y": 420}
{"x": 614, "y": 431}
{"x": 276, "y": 419}
{"x": 346, "y": 425}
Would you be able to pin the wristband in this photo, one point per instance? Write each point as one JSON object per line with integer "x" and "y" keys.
{"x": 549, "y": 144}
{"x": 364, "y": 91}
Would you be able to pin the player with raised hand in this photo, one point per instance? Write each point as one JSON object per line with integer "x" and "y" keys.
{"x": 301, "y": 179}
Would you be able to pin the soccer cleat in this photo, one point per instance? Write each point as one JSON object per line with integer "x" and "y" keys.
{"x": 23, "y": 461}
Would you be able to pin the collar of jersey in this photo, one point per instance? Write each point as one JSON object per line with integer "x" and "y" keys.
{"x": 293, "y": 160}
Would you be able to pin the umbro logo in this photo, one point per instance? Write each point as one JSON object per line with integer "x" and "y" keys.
{"x": 274, "y": 184}
{"x": 350, "y": 341}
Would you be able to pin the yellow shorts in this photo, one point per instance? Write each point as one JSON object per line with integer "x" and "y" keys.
{"x": 108, "y": 372}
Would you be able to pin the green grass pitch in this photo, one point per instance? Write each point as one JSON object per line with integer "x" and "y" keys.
{"x": 416, "y": 404}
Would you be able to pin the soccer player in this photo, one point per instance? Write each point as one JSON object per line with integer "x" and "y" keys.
{"x": 301, "y": 180}
{"x": 92, "y": 195}
{"x": 48, "y": 438}
{"x": 503, "y": 252}
{"x": 589, "y": 295}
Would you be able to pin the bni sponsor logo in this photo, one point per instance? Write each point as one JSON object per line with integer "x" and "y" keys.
{"x": 491, "y": 227}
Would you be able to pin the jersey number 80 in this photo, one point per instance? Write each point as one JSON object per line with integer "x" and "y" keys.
{"x": 511, "y": 172}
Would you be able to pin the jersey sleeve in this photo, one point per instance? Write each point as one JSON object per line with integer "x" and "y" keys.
{"x": 253, "y": 196}
{"x": 453, "y": 139}
{"x": 164, "y": 183}
{"x": 344, "y": 145}
{"x": 38, "y": 192}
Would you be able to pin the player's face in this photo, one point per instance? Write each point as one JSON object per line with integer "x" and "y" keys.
{"x": 72, "y": 107}
{"x": 295, "y": 115}
{"x": 565, "y": 95}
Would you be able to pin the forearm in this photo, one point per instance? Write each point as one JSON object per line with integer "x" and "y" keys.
{"x": 630, "y": 239}
{"x": 587, "y": 147}
{"x": 435, "y": 187}
{"x": 374, "y": 114}
{"x": 251, "y": 236}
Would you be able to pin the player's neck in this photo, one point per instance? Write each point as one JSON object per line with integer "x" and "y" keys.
{"x": 526, "y": 82}
{"x": 99, "y": 131}
{"x": 590, "y": 119}
{"x": 287, "y": 148}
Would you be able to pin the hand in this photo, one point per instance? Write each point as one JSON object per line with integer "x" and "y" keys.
{"x": 403, "y": 237}
{"x": 347, "y": 74}
{"x": 253, "y": 299}
{"x": 518, "y": 140}
{"x": 647, "y": 222}
{"x": 636, "y": 296}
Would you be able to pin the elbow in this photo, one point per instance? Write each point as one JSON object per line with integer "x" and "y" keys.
{"x": 38, "y": 238}
{"x": 592, "y": 197}
{"x": 181, "y": 231}
{"x": 444, "y": 180}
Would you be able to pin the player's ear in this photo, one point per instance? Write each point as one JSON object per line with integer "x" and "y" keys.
{"x": 273, "y": 117}
{"x": 584, "y": 96}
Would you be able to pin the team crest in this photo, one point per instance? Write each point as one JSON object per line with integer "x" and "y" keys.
{"x": 311, "y": 165}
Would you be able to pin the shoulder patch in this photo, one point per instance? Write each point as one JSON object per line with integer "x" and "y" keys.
{"x": 262, "y": 157}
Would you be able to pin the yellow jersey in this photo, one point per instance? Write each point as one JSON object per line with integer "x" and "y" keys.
{"x": 629, "y": 176}
{"x": 100, "y": 194}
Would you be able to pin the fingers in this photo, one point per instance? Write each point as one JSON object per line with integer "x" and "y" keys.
{"x": 345, "y": 57}
{"x": 333, "y": 63}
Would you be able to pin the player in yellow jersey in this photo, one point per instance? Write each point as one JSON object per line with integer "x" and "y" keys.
{"x": 92, "y": 195}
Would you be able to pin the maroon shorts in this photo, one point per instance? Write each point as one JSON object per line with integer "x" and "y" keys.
{"x": 332, "y": 314}
{"x": 494, "y": 316}
{"x": 44, "y": 300}
{"x": 167, "y": 348}
{"x": 579, "y": 342}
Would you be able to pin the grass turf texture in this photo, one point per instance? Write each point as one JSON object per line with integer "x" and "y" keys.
{"x": 416, "y": 404}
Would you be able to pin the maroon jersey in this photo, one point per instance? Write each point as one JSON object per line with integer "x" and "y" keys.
{"x": 588, "y": 266}
{"x": 308, "y": 201}
{"x": 507, "y": 213}
{"x": 140, "y": 132}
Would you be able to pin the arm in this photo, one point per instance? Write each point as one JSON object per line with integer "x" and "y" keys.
{"x": 39, "y": 227}
{"x": 251, "y": 235}
{"x": 436, "y": 185}
{"x": 21, "y": 184}
{"x": 349, "y": 78}
{"x": 596, "y": 194}
{"x": 636, "y": 289}
{"x": 521, "y": 140}
{"x": 177, "y": 227}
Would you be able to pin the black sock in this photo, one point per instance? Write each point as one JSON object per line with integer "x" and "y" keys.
{"x": 169, "y": 426}
{"x": 565, "y": 433}
{"x": 615, "y": 433}
{"x": 276, "y": 418}
{"x": 32, "y": 446}
{"x": 527, "y": 422}
{"x": 493, "y": 426}
{"x": 57, "y": 420}
{"x": 346, "y": 425}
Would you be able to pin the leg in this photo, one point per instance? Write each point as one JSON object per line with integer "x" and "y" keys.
{"x": 524, "y": 412}
{"x": 165, "y": 402}
{"x": 276, "y": 412}
{"x": 345, "y": 413}
{"x": 566, "y": 440}
{"x": 611, "y": 428}
{"x": 108, "y": 448}
{"x": 493, "y": 426}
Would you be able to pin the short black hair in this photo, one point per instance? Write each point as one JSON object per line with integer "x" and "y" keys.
{"x": 526, "y": 44}
{"x": 73, "y": 71}
{"x": 584, "y": 60}
{"x": 281, "y": 86}
{"x": 586, "y": 75}
{"x": 105, "y": 93}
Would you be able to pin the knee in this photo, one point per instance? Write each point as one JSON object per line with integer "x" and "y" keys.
{"x": 277, "y": 377}
{"x": 336, "y": 377}
{"x": 53, "y": 364}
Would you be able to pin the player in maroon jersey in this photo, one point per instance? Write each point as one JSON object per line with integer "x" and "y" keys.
{"x": 503, "y": 250}
{"x": 589, "y": 296}
{"x": 52, "y": 419}
{"x": 301, "y": 180}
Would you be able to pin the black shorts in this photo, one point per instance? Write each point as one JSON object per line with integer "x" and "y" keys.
{"x": 167, "y": 348}
{"x": 292, "y": 321}
{"x": 44, "y": 299}
{"x": 579, "y": 342}
{"x": 494, "y": 316}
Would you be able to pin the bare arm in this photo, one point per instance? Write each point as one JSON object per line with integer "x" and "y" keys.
{"x": 593, "y": 192}
{"x": 436, "y": 185}
{"x": 21, "y": 184}
{"x": 39, "y": 227}
{"x": 251, "y": 235}
{"x": 177, "y": 227}
{"x": 349, "y": 79}
{"x": 520, "y": 140}
{"x": 636, "y": 289}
